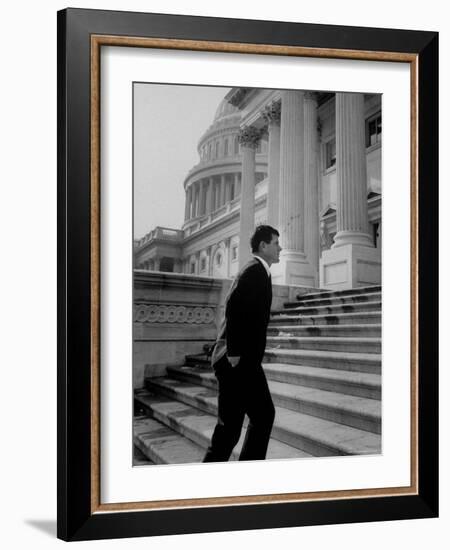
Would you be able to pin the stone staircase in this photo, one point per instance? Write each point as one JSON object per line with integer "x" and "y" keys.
{"x": 323, "y": 365}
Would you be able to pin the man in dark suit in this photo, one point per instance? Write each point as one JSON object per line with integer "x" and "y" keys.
{"x": 238, "y": 354}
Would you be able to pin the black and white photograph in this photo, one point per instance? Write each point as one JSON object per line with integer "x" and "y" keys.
{"x": 257, "y": 274}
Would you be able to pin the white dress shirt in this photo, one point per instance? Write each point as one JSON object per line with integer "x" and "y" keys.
{"x": 265, "y": 264}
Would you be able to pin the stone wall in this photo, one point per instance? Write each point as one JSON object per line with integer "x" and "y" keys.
{"x": 174, "y": 315}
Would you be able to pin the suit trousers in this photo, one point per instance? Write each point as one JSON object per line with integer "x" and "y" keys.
{"x": 243, "y": 390}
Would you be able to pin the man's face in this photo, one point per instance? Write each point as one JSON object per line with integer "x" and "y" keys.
{"x": 271, "y": 251}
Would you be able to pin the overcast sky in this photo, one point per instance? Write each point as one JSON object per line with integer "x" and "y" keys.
{"x": 168, "y": 122}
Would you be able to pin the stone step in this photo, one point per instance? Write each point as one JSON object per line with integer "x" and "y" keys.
{"x": 357, "y": 412}
{"x": 162, "y": 445}
{"x": 196, "y": 428}
{"x": 344, "y": 382}
{"x": 335, "y": 300}
{"x": 139, "y": 458}
{"x": 309, "y": 434}
{"x": 359, "y": 362}
{"x": 331, "y": 309}
{"x": 318, "y": 331}
{"x": 339, "y": 293}
{"x": 365, "y": 345}
{"x": 287, "y": 319}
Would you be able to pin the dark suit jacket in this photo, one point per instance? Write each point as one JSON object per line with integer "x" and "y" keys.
{"x": 247, "y": 312}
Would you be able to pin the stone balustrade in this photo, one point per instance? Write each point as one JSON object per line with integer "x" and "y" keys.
{"x": 174, "y": 315}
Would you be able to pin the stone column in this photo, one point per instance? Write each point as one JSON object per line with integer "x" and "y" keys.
{"x": 312, "y": 228}
{"x": 248, "y": 138}
{"x": 352, "y": 261}
{"x": 208, "y": 205}
{"x": 272, "y": 115}
{"x": 197, "y": 198}
{"x": 209, "y": 257}
{"x": 211, "y": 195}
{"x": 237, "y": 190}
{"x": 216, "y": 195}
{"x": 351, "y": 210}
{"x": 202, "y": 198}
{"x": 194, "y": 200}
{"x": 186, "y": 206}
{"x": 228, "y": 256}
{"x": 156, "y": 264}
{"x": 188, "y": 203}
{"x": 293, "y": 267}
{"x": 227, "y": 191}
{"x": 222, "y": 189}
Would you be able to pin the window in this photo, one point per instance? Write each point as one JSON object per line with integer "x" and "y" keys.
{"x": 209, "y": 151}
{"x": 203, "y": 264}
{"x": 192, "y": 268}
{"x": 225, "y": 148}
{"x": 219, "y": 259}
{"x": 330, "y": 153}
{"x": 217, "y": 150}
{"x": 373, "y": 130}
{"x": 234, "y": 253}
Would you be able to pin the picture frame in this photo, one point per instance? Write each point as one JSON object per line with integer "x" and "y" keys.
{"x": 81, "y": 35}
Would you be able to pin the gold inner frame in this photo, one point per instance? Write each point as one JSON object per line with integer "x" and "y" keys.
{"x": 97, "y": 41}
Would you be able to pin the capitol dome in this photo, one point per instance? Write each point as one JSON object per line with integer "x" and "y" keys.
{"x": 225, "y": 109}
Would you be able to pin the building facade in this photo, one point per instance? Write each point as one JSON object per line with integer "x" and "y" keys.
{"x": 307, "y": 163}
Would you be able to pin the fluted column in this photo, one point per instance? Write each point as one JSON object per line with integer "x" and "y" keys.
{"x": 227, "y": 191}
{"x": 209, "y": 260}
{"x": 222, "y": 189}
{"x": 228, "y": 255}
{"x": 272, "y": 115}
{"x": 202, "y": 198}
{"x": 212, "y": 195}
{"x": 209, "y": 197}
{"x": 194, "y": 200}
{"x": 293, "y": 267}
{"x": 186, "y": 205}
{"x": 352, "y": 261}
{"x": 237, "y": 189}
{"x": 216, "y": 195}
{"x": 197, "y": 199}
{"x": 351, "y": 210}
{"x": 199, "y": 190}
{"x": 292, "y": 172}
{"x": 312, "y": 229}
{"x": 248, "y": 138}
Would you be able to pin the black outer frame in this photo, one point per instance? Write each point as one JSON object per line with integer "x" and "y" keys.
{"x": 75, "y": 521}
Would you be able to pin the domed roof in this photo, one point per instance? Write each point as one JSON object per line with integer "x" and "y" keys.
{"x": 225, "y": 109}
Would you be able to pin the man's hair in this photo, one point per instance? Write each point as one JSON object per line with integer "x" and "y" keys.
{"x": 262, "y": 233}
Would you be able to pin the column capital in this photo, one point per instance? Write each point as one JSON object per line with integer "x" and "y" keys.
{"x": 272, "y": 113}
{"x": 249, "y": 136}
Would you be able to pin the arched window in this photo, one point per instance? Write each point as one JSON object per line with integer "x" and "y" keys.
{"x": 217, "y": 150}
